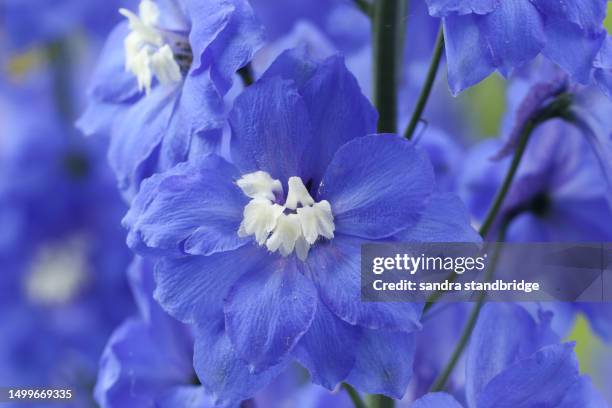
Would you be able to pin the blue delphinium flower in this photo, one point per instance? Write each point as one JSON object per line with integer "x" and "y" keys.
{"x": 261, "y": 255}
{"x": 62, "y": 282}
{"x": 483, "y": 36}
{"x": 516, "y": 360}
{"x": 160, "y": 79}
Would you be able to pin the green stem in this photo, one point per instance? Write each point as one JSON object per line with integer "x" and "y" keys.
{"x": 364, "y": 6}
{"x": 354, "y": 395}
{"x": 430, "y": 79}
{"x": 558, "y": 108}
{"x": 387, "y": 43}
{"x": 380, "y": 401}
{"x": 58, "y": 55}
{"x": 441, "y": 380}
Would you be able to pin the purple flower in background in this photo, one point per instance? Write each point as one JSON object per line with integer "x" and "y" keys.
{"x": 262, "y": 255}
{"x": 160, "y": 81}
{"x": 483, "y": 36}
{"x": 516, "y": 360}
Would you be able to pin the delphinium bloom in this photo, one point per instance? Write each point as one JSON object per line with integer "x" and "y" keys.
{"x": 159, "y": 82}
{"x": 558, "y": 194}
{"x": 483, "y": 36}
{"x": 515, "y": 360}
{"x": 62, "y": 280}
{"x": 261, "y": 255}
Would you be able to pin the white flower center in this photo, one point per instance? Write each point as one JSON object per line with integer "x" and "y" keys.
{"x": 294, "y": 226}
{"x": 151, "y": 51}
{"x": 58, "y": 272}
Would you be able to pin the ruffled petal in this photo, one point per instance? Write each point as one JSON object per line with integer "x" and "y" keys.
{"x": 228, "y": 378}
{"x": 194, "y": 208}
{"x": 268, "y": 310}
{"x": 192, "y": 288}
{"x": 234, "y": 47}
{"x": 335, "y": 269}
{"x": 271, "y": 130}
{"x": 504, "y": 334}
{"x": 111, "y": 64}
{"x": 384, "y": 363}
{"x": 136, "y": 136}
{"x": 382, "y": 196}
{"x": 540, "y": 380}
{"x": 328, "y": 336}
{"x": 294, "y": 64}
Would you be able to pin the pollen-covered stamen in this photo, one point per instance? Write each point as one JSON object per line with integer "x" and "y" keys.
{"x": 153, "y": 52}
{"x": 259, "y": 218}
{"x": 296, "y": 226}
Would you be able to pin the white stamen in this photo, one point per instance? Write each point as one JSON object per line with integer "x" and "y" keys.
{"x": 284, "y": 236}
{"x": 259, "y": 219}
{"x": 58, "y": 272}
{"x": 260, "y": 185}
{"x": 146, "y": 53}
{"x": 297, "y": 194}
{"x": 297, "y": 230}
{"x": 316, "y": 221}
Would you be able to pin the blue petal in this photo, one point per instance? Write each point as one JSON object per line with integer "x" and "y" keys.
{"x": 193, "y": 288}
{"x": 185, "y": 396}
{"x": 603, "y": 68}
{"x": 582, "y": 394}
{"x": 504, "y": 333}
{"x": 514, "y": 33}
{"x": 270, "y": 130}
{"x": 445, "y": 220}
{"x": 384, "y": 363}
{"x": 586, "y": 14}
{"x": 228, "y": 378}
{"x": 198, "y": 112}
{"x": 339, "y": 112}
{"x": 136, "y": 135}
{"x": 335, "y": 268}
{"x": 328, "y": 336}
{"x": 235, "y": 45}
{"x": 385, "y": 194}
{"x": 268, "y": 310}
{"x": 194, "y": 208}
{"x": 436, "y": 400}
{"x": 572, "y": 48}
{"x": 468, "y": 55}
{"x": 137, "y": 366}
{"x": 295, "y": 65}
{"x": 208, "y": 19}
{"x": 444, "y": 8}
{"x": 111, "y": 64}
{"x": 540, "y": 380}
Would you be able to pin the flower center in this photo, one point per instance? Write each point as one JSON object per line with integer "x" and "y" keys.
{"x": 152, "y": 51}
{"x": 294, "y": 226}
{"x": 58, "y": 272}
